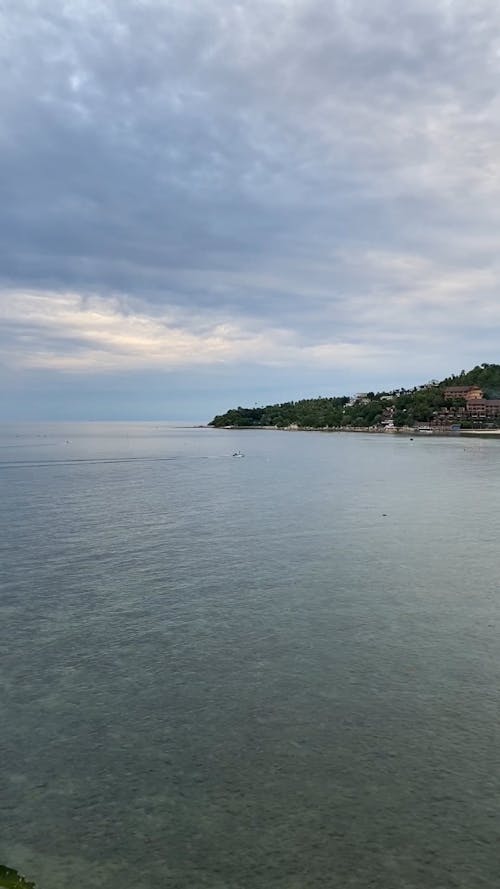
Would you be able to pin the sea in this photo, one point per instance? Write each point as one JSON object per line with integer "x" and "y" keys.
{"x": 280, "y": 671}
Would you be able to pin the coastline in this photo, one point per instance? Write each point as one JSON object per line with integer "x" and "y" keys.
{"x": 489, "y": 432}
{"x": 371, "y": 430}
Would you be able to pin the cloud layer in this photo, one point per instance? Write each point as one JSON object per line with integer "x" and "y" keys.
{"x": 271, "y": 183}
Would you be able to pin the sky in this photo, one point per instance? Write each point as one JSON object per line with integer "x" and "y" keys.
{"x": 212, "y": 203}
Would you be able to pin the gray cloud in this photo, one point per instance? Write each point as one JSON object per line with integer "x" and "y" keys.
{"x": 328, "y": 171}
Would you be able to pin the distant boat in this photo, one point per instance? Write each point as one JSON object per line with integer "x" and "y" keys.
{"x": 238, "y": 454}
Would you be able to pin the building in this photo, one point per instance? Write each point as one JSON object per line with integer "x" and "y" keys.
{"x": 481, "y": 408}
{"x": 467, "y": 392}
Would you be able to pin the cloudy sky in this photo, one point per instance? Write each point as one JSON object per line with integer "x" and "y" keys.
{"x": 207, "y": 203}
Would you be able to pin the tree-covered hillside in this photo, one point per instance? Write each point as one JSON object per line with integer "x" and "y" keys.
{"x": 401, "y": 407}
{"x": 485, "y": 375}
{"x": 308, "y": 412}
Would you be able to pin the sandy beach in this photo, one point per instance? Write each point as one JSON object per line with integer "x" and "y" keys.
{"x": 480, "y": 432}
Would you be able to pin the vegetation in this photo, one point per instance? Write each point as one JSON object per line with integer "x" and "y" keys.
{"x": 11, "y": 879}
{"x": 308, "y": 412}
{"x": 401, "y": 407}
{"x": 487, "y": 376}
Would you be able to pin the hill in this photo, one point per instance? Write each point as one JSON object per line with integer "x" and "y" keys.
{"x": 487, "y": 376}
{"x": 399, "y": 407}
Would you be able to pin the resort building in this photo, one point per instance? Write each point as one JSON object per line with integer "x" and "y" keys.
{"x": 467, "y": 392}
{"x": 479, "y": 408}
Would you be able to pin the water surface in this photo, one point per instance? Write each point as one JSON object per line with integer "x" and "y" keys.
{"x": 271, "y": 673}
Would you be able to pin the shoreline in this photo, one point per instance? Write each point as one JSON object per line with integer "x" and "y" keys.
{"x": 480, "y": 432}
{"x": 369, "y": 430}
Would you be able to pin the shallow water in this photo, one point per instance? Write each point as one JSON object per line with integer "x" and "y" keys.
{"x": 281, "y": 671}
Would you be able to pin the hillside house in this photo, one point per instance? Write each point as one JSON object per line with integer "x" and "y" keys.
{"x": 468, "y": 392}
{"x": 481, "y": 408}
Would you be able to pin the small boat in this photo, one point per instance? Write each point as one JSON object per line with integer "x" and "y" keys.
{"x": 238, "y": 454}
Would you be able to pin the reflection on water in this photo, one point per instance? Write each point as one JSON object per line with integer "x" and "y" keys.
{"x": 273, "y": 672}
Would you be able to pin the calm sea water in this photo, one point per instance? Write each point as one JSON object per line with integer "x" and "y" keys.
{"x": 276, "y": 672}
